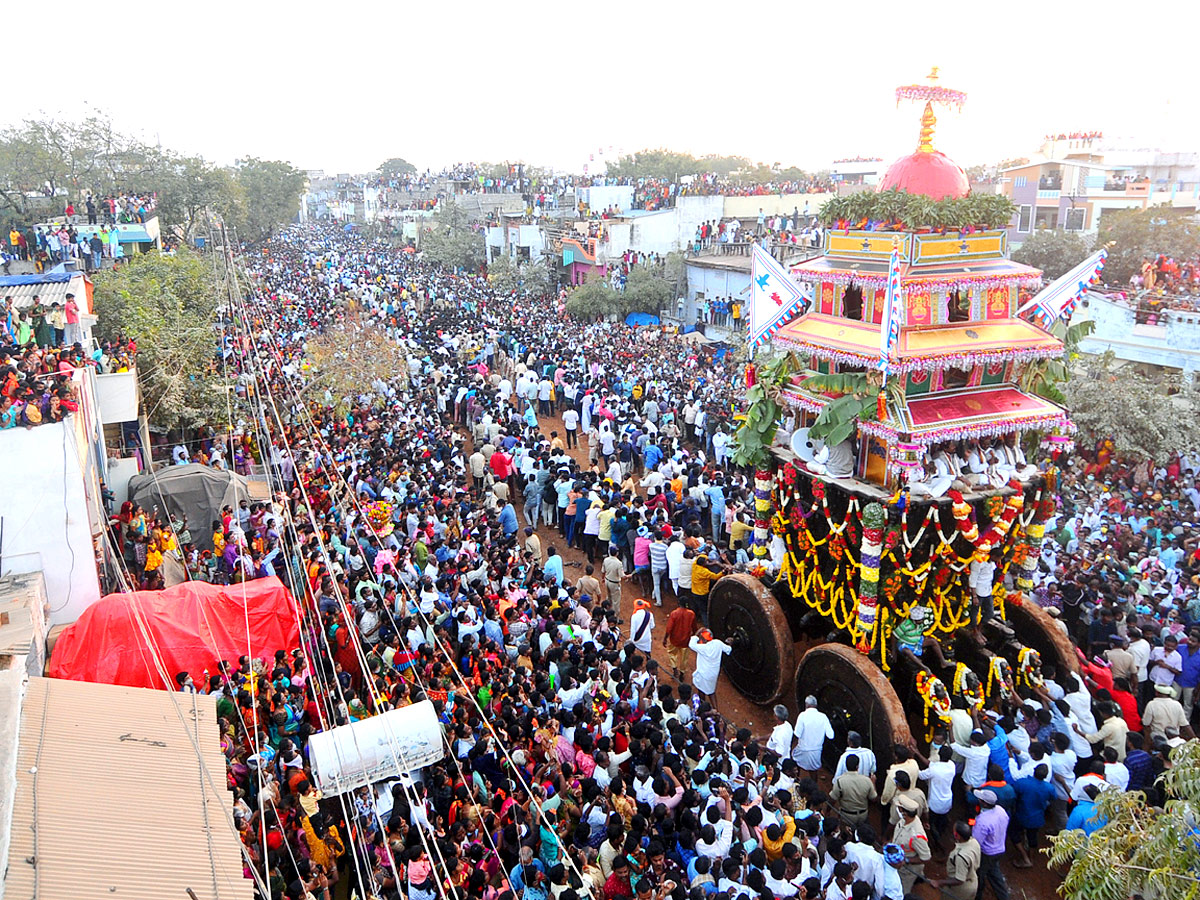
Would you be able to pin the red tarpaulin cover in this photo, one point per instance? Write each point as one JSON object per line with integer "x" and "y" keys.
{"x": 193, "y": 625}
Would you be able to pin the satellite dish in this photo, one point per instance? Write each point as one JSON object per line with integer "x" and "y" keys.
{"x": 802, "y": 446}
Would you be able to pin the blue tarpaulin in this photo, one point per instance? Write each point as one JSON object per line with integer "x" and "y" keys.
{"x": 641, "y": 319}
{"x": 44, "y": 278}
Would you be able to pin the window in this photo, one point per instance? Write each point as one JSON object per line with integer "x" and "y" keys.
{"x": 955, "y": 378}
{"x": 852, "y": 302}
{"x": 958, "y": 307}
{"x": 1020, "y": 181}
{"x": 1024, "y": 217}
{"x": 1076, "y": 219}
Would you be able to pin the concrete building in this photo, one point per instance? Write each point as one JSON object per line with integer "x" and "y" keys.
{"x": 1074, "y": 181}
{"x": 1169, "y": 339}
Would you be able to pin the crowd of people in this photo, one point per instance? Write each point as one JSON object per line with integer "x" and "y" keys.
{"x": 516, "y": 526}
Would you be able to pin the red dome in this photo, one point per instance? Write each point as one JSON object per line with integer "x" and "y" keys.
{"x": 927, "y": 172}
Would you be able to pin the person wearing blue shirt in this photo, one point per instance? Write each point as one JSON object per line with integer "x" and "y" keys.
{"x": 508, "y": 520}
{"x": 1035, "y": 793}
{"x": 1085, "y": 817}
{"x": 716, "y": 507}
{"x": 554, "y": 566}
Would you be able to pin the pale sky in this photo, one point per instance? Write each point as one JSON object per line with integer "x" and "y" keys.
{"x": 343, "y": 86}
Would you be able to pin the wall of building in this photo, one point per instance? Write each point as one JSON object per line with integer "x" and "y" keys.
{"x": 601, "y": 197}
{"x": 695, "y": 211}
{"x": 772, "y": 205}
{"x": 708, "y": 282}
{"x": 1173, "y": 342}
{"x": 48, "y": 515}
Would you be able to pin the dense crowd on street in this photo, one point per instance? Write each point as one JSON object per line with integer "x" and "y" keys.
{"x": 524, "y": 527}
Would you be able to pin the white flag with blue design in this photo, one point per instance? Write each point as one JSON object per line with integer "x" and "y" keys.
{"x": 775, "y": 297}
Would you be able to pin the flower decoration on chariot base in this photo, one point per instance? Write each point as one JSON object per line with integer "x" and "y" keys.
{"x": 994, "y": 506}
{"x": 1029, "y": 667}
{"x": 943, "y": 576}
{"x": 892, "y": 585}
{"x": 1000, "y": 678}
{"x": 935, "y": 697}
{"x": 891, "y": 539}
{"x": 379, "y": 515}
{"x": 789, "y": 474}
{"x": 973, "y": 695}
{"x": 964, "y": 516}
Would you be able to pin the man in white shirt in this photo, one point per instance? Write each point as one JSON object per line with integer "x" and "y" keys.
{"x": 780, "y": 741}
{"x": 641, "y": 627}
{"x": 975, "y": 756}
{"x": 812, "y": 729}
{"x": 866, "y": 756}
{"x": 940, "y": 775}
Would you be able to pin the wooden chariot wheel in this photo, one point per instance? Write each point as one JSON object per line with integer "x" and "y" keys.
{"x": 745, "y": 614}
{"x": 856, "y": 695}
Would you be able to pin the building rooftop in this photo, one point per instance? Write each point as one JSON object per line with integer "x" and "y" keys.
{"x": 120, "y": 792}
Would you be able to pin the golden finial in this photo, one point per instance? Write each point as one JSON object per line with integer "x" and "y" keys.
{"x": 933, "y": 74}
{"x": 928, "y": 120}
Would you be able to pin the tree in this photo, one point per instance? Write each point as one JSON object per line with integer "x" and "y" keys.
{"x": 397, "y": 166}
{"x": 167, "y": 304}
{"x": 1143, "y": 418}
{"x": 594, "y": 298}
{"x": 189, "y": 187}
{"x": 271, "y": 192}
{"x": 1141, "y": 850}
{"x": 648, "y": 291}
{"x": 663, "y": 164}
{"x": 351, "y": 358}
{"x": 1048, "y": 377}
{"x": 45, "y": 159}
{"x": 1138, "y": 234}
{"x": 451, "y": 241}
{"x": 754, "y": 437}
{"x": 1053, "y": 251}
{"x": 507, "y": 277}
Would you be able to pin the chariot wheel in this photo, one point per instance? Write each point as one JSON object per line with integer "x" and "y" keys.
{"x": 1036, "y": 628}
{"x": 856, "y": 695}
{"x": 745, "y": 614}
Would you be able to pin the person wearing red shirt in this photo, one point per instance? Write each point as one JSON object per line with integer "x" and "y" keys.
{"x": 618, "y": 886}
{"x": 1124, "y": 698}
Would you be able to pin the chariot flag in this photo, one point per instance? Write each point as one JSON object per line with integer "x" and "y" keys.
{"x": 774, "y": 296}
{"x": 893, "y": 302}
{"x": 1061, "y": 295}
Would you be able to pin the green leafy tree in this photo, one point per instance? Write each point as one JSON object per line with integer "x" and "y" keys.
{"x": 270, "y": 197}
{"x": 1053, "y": 251}
{"x": 190, "y": 188}
{"x": 752, "y": 441}
{"x": 647, "y": 290}
{"x": 167, "y": 304}
{"x": 660, "y": 163}
{"x": 1144, "y": 418}
{"x": 45, "y": 161}
{"x": 1048, "y": 377}
{"x": 397, "y": 166}
{"x": 1140, "y": 850}
{"x": 1138, "y": 234}
{"x": 594, "y": 298}
{"x": 451, "y": 241}
{"x": 507, "y": 276}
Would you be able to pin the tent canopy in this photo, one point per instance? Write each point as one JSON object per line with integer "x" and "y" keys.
{"x": 193, "y": 490}
{"x": 641, "y": 318}
{"x": 192, "y": 625}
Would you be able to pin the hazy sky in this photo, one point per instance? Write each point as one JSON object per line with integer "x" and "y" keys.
{"x": 343, "y": 86}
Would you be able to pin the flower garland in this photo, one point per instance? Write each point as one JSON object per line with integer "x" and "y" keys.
{"x": 931, "y": 93}
{"x": 1034, "y": 535}
{"x": 1000, "y": 678}
{"x": 867, "y": 608}
{"x": 973, "y": 696}
{"x": 910, "y": 363}
{"x": 762, "y": 512}
{"x": 936, "y": 702}
{"x": 999, "y": 529}
{"x": 1029, "y": 667}
{"x": 964, "y": 515}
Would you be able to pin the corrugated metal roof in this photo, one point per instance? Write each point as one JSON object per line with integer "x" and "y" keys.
{"x": 111, "y": 800}
{"x": 48, "y": 291}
